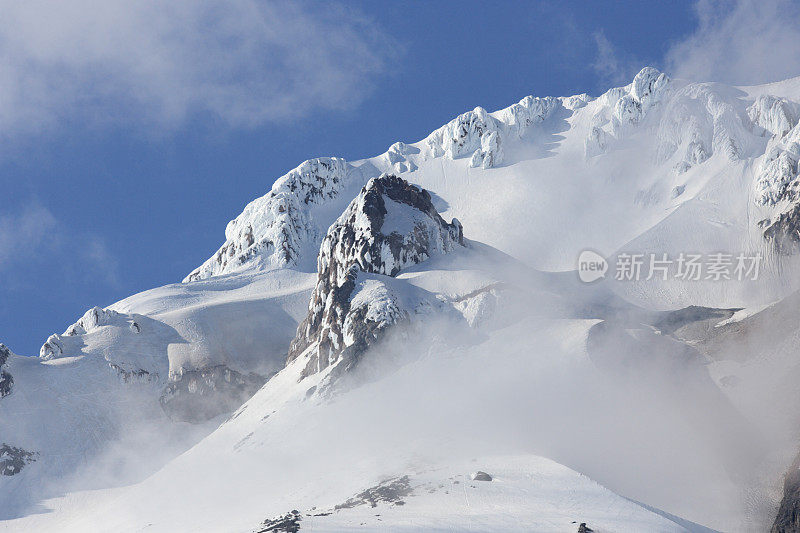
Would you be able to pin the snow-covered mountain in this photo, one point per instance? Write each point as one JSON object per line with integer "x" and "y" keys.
{"x": 365, "y": 356}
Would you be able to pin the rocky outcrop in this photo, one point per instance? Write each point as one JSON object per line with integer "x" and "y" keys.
{"x": 198, "y": 395}
{"x": 13, "y": 460}
{"x": 777, "y": 177}
{"x": 777, "y": 186}
{"x": 788, "y": 517}
{"x": 6, "y": 380}
{"x": 389, "y": 226}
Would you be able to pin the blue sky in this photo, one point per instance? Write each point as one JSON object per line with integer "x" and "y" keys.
{"x": 131, "y": 134}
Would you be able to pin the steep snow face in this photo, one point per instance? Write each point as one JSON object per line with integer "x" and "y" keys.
{"x": 778, "y": 176}
{"x": 622, "y": 108}
{"x": 701, "y": 120}
{"x": 389, "y": 226}
{"x": 275, "y": 230}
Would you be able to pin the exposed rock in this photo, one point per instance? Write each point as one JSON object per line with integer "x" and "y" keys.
{"x": 6, "y": 380}
{"x": 777, "y": 185}
{"x": 288, "y": 523}
{"x": 131, "y": 376}
{"x": 583, "y": 528}
{"x": 390, "y": 491}
{"x": 480, "y": 476}
{"x": 788, "y": 517}
{"x": 784, "y": 232}
{"x": 13, "y": 460}
{"x": 197, "y": 395}
{"x": 389, "y": 226}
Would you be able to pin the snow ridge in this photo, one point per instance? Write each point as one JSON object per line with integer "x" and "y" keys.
{"x": 273, "y": 230}
{"x": 283, "y": 227}
{"x": 90, "y": 321}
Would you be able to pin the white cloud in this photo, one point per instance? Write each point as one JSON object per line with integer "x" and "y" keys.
{"x": 740, "y": 42}
{"x": 613, "y": 67}
{"x": 243, "y": 61}
{"x": 32, "y": 235}
{"x": 25, "y": 232}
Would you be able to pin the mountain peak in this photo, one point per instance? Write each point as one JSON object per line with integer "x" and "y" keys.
{"x": 389, "y": 226}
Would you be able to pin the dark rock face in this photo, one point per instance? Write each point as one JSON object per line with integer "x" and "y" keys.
{"x": 6, "y": 381}
{"x": 788, "y": 518}
{"x": 288, "y": 523}
{"x": 198, "y": 395}
{"x": 784, "y": 232}
{"x": 481, "y": 476}
{"x": 583, "y": 528}
{"x": 13, "y": 460}
{"x": 389, "y": 226}
{"x": 131, "y": 376}
{"x": 391, "y": 491}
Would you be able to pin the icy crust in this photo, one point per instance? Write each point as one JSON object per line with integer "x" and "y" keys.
{"x": 273, "y": 230}
{"x": 389, "y": 226}
{"x": 699, "y": 122}
{"x": 6, "y": 380}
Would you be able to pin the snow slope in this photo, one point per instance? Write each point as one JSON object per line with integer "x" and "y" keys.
{"x": 321, "y": 466}
{"x": 102, "y": 410}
